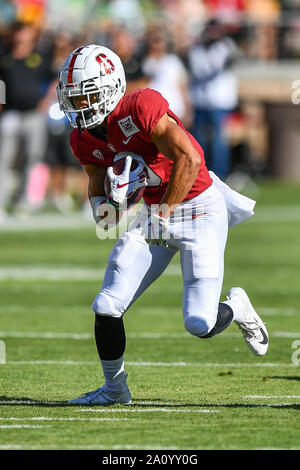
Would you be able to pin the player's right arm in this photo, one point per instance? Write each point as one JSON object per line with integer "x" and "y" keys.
{"x": 96, "y": 176}
{"x": 96, "y": 193}
{"x": 104, "y": 214}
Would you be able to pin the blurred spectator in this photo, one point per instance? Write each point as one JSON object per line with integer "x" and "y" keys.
{"x": 125, "y": 46}
{"x": 263, "y": 10}
{"x": 226, "y": 10}
{"x": 31, "y": 11}
{"x": 127, "y": 13}
{"x": 27, "y": 74}
{"x": 8, "y": 14}
{"x": 214, "y": 94}
{"x": 167, "y": 74}
{"x": 59, "y": 157}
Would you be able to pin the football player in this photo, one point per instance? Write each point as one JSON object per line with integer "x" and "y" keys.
{"x": 192, "y": 218}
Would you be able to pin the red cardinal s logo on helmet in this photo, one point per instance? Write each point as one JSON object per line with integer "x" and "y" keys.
{"x": 106, "y": 65}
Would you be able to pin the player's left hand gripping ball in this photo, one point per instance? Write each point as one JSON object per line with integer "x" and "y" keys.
{"x": 156, "y": 230}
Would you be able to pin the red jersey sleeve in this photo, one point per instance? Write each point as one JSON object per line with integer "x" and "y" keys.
{"x": 150, "y": 107}
{"x": 75, "y": 147}
{"x": 91, "y": 151}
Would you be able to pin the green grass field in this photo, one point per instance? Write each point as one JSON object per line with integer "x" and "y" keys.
{"x": 187, "y": 393}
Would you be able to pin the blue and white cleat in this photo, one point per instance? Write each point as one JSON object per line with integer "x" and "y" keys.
{"x": 103, "y": 397}
{"x": 253, "y": 328}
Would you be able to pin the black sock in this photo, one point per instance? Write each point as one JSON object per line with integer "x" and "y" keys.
{"x": 224, "y": 319}
{"x": 110, "y": 337}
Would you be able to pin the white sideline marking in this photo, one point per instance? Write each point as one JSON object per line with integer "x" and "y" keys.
{"x": 53, "y": 273}
{"x": 272, "y": 405}
{"x": 22, "y": 426}
{"x": 286, "y": 334}
{"x": 16, "y": 308}
{"x": 271, "y": 396}
{"x": 84, "y": 336}
{"x": 166, "y": 410}
{"x": 282, "y": 312}
{"x": 45, "y": 222}
{"x": 10, "y": 446}
{"x": 156, "y": 364}
{"x": 120, "y": 447}
{"x": 146, "y": 410}
{"x": 50, "y": 273}
{"x": 288, "y": 213}
{"x": 46, "y": 335}
{"x": 126, "y": 447}
{"x": 263, "y": 214}
{"x": 45, "y": 418}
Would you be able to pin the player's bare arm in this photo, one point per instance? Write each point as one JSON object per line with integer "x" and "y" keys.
{"x": 174, "y": 143}
{"x": 96, "y": 194}
{"x": 96, "y": 176}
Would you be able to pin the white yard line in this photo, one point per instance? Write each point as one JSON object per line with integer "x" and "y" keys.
{"x": 17, "y": 308}
{"x": 22, "y": 426}
{"x": 156, "y": 364}
{"x": 49, "y": 273}
{"x": 263, "y": 214}
{"x": 45, "y": 222}
{"x": 69, "y": 273}
{"x": 272, "y": 396}
{"x": 281, "y": 312}
{"x": 151, "y": 336}
{"x": 178, "y": 410}
{"x": 146, "y": 410}
{"x": 286, "y": 334}
{"x": 10, "y": 447}
{"x": 87, "y": 447}
{"x": 46, "y": 418}
{"x": 119, "y": 447}
{"x": 45, "y": 335}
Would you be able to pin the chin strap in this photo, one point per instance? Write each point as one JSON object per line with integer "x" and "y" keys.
{"x": 78, "y": 123}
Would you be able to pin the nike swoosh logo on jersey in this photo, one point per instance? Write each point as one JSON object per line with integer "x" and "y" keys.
{"x": 125, "y": 184}
{"x": 127, "y": 140}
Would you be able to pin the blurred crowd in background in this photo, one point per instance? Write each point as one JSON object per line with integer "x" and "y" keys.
{"x": 200, "y": 54}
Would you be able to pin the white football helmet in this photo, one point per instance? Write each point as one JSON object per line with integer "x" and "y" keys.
{"x": 91, "y": 70}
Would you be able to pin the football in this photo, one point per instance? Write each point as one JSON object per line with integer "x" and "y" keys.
{"x": 133, "y": 197}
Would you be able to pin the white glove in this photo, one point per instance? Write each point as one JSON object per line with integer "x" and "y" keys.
{"x": 156, "y": 231}
{"x": 124, "y": 184}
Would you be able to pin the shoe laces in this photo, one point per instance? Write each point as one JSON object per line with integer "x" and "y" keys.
{"x": 88, "y": 394}
{"x": 251, "y": 327}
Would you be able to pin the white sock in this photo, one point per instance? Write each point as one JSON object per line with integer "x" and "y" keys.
{"x": 237, "y": 307}
{"x": 115, "y": 376}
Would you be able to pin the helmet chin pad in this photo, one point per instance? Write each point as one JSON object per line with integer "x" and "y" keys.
{"x": 88, "y": 120}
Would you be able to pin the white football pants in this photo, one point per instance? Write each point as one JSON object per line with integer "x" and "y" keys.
{"x": 198, "y": 230}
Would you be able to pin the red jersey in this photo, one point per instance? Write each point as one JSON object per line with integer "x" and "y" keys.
{"x": 129, "y": 127}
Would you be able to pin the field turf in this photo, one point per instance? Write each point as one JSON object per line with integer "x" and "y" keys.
{"x": 187, "y": 393}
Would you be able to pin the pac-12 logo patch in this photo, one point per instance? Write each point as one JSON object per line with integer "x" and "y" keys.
{"x": 98, "y": 154}
{"x": 127, "y": 126}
